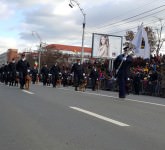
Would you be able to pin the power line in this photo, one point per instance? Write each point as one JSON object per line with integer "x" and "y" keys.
{"x": 146, "y": 4}
{"x": 130, "y": 28}
{"x": 130, "y": 21}
{"x": 133, "y": 16}
{"x": 146, "y": 24}
{"x": 139, "y": 18}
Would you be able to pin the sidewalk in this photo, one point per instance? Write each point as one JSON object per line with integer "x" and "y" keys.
{"x": 146, "y": 98}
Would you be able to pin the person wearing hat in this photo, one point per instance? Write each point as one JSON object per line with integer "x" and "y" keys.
{"x": 23, "y": 67}
{"x": 55, "y": 70}
{"x": 122, "y": 65}
{"x": 12, "y": 71}
{"x": 78, "y": 71}
{"x": 45, "y": 74}
{"x": 94, "y": 75}
{"x": 34, "y": 73}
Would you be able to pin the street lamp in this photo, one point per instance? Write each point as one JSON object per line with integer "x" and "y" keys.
{"x": 82, "y": 11}
{"x": 39, "y": 52}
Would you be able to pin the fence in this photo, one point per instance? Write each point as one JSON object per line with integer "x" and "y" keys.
{"x": 152, "y": 88}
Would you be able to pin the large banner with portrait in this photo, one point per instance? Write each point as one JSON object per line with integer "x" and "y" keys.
{"x": 106, "y": 46}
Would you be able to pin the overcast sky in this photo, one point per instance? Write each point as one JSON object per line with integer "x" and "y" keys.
{"x": 57, "y": 23}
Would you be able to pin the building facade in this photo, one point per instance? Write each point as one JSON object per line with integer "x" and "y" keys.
{"x": 8, "y": 56}
{"x": 73, "y": 52}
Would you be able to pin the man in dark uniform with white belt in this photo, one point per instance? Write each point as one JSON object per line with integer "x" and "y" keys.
{"x": 122, "y": 66}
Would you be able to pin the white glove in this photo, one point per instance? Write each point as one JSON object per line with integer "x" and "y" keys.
{"x": 124, "y": 58}
{"x": 117, "y": 71}
{"x": 83, "y": 74}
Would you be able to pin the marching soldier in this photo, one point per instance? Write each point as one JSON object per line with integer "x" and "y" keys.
{"x": 44, "y": 73}
{"x": 12, "y": 70}
{"x": 78, "y": 71}
{"x": 94, "y": 75}
{"x": 55, "y": 70}
{"x": 122, "y": 65}
{"x": 65, "y": 78}
{"x": 22, "y": 67}
{"x": 34, "y": 73}
{"x": 6, "y": 73}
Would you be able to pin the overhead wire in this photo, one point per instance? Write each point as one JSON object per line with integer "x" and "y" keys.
{"x": 122, "y": 23}
{"x": 127, "y": 29}
{"x": 136, "y": 15}
{"x": 147, "y": 4}
{"x": 126, "y": 22}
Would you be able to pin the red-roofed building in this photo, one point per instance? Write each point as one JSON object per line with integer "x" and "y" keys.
{"x": 67, "y": 49}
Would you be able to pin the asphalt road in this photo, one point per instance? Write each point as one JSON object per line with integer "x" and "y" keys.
{"x": 47, "y": 118}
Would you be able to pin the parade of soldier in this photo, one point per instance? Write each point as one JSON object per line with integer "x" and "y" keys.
{"x": 82, "y": 75}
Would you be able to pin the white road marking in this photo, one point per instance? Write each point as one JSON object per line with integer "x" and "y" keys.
{"x": 27, "y": 92}
{"x": 115, "y": 97}
{"x": 127, "y": 99}
{"x": 100, "y": 117}
{"x": 145, "y": 102}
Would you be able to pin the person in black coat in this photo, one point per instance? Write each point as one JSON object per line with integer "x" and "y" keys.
{"x": 2, "y": 73}
{"x": 44, "y": 73}
{"x": 7, "y": 73}
{"x": 12, "y": 70}
{"x": 122, "y": 65}
{"x": 94, "y": 75}
{"x": 78, "y": 71}
{"x": 34, "y": 73}
{"x": 22, "y": 67}
{"x": 136, "y": 83}
{"x": 55, "y": 70}
{"x": 65, "y": 78}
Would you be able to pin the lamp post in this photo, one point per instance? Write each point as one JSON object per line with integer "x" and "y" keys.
{"x": 84, "y": 22}
{"x": 39, "y": 52}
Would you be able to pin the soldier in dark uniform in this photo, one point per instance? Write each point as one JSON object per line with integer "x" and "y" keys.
{"x": 22, "y": 67}
{"x": 6, "y": 73}
{"x": 12, "y": 70}
{"x": 34, "y": 73}
{"x": 2, "y": 73}
{"x": 122, "y": 65}
{"x": 55, "y": 70}
{"x": 78, "y": 71}
{"x": 44, "y": 73}
{"x": 94, "y": 75}
{"x": 136, "y": 83}
{"x": 65, "y": 78}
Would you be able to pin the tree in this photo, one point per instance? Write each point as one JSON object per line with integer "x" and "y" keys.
{"x": 159, "y": 36}
{"x": 129, "y": 37}
{"x": 151, "y": 38}
{"x": 155, "y": 39}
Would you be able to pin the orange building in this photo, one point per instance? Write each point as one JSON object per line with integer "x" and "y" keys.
{"x": 69, "y": 49}
{"x": 73, "y": 51}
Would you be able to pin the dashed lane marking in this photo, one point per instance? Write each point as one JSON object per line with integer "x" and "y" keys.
{"x": 27, "y": 92}
{"x": 100, "y": 117}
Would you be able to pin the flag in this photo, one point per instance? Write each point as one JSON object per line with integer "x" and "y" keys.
{"x": 140, "y": 41}
{"x": 36, "y": 63}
